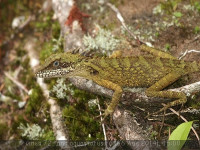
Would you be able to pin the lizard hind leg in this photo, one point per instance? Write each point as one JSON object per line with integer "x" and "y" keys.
{"x": 169, "y": 94}
{"x": 155, "y": 91}
{"x": 156, "y": 52}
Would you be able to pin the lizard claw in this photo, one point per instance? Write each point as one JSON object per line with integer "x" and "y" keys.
{"x": 165, "y": 107}
{"x": 104, "y": 115}
{"x": 100, "y": 116}
{"x": 155, "y": 113}
{"x": 159, "y": 111}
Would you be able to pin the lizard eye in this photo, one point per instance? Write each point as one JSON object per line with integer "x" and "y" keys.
{"x": 56, "y": 63}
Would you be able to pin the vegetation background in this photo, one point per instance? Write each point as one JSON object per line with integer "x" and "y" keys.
{"x": 32, "y": 29}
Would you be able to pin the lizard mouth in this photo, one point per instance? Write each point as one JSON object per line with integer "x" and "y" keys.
{"x": 50, "y": 73}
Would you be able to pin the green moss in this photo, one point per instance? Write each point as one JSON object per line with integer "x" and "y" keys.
{"x": 34, "y": 101}
{"x": 194, "y": 102}
{"x": 46, "y": 51}
{"x": 79, "y": 118}
{"x": 196, "y": 29}
{"x": 170, "y": 5}
{"x": 117, "y": 2}
{"x": 3, "y": 131}
{"x": 50, "y": 48}
{"x": 80, "y": 123}
{"x": 46, "y": 23}
{"x": 14, "y": 8}
{"x": 48, "y": 135}
{"x": 55, "y": 29}
{"x": 152, "y": 133}
{"x": 27, "y": 76}
{"x": 43, "y": 22}
{"x": 111, "y": 26}
{"x": 41, "y": 25}
{"x": 197, "y": 6}
{"x": 157, "y": 34}
{"x": 11, "y": 89}
{"x": 17, "y": 122}
{"x": 177, "y": 14}
{"x": 167, "y": 47}
{"x": 36, "y": 108}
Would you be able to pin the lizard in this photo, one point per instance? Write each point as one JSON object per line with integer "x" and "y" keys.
{"x": 153, "y": 72}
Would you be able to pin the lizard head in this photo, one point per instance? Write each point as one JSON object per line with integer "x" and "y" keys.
{"x": 59, "y": 65}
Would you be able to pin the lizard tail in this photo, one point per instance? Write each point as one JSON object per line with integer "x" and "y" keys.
{"x": 193, "y": 67}
{"x": 198, "y": 64}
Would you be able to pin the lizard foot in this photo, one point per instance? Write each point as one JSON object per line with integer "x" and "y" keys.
{"x": 168, "y": 105}
{"x": 105, "y": 115}
{"x": 157, "y": 112}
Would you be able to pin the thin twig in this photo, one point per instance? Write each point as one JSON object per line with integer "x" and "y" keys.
{"x": 163, "y": 121}
{"x": 103, "y": 125}
{"x": 121, "y": 19}
{"x": 171, "y": 113}
{"x": 1, "y": 87}
{"x": 187, "y": 52}
{"x": 25, "y": 23}
{"x": 19, "y": 84}
{"x": 175, "y": 112}
{"x": 196, "y": 38}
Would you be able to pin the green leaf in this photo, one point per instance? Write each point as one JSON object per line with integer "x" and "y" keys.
{"x": 196, "y": 30}
{"x": 179, "y": 136}
{"x": 178, "y": 14}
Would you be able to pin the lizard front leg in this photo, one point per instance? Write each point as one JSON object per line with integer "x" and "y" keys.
{"x": 154, "y": 91}
{"x": 116, "y": 95}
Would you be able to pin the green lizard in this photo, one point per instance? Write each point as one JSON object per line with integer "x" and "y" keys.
{"x": 154, "y": 72}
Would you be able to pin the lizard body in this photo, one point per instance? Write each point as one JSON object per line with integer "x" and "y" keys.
{"x": 153, "y": 72}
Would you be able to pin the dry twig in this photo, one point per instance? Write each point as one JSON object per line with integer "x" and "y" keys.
{"x": 19, "y": 84}
{"x": 175, "y": 112}
{"x": 103, "y": 126}
{"x": 187, "y": 52}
